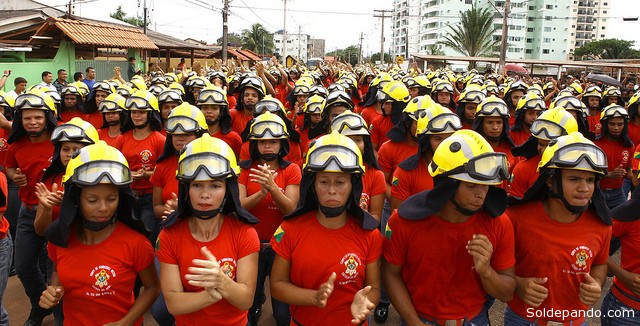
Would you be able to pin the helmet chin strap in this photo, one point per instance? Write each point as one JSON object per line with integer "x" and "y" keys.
{"x": 462, "y": 210}
{"x": 331, "y": 212}
{"x": 212, "y": 122}
{"x": 142, "y": 126}
{"x": 557, "y": 193}
{"x": 209, "y": 214}
{"x": 37, "y": 134}
{"x": 492, "y": 139}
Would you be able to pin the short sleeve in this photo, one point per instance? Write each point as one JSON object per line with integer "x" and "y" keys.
{"x": 519, "y": 180}
{"x": 243, "y": 178}
{"x": 375, "y": 246}
{"x": 142, "y": 254}
{"x": 159, "y": 143}
{"x": 281, "y": 241}
{"x": 118, "y": 143}
{"x": 379, "y": 184}
{"x": 10, "y": 158}
{"x": 384, "y": 160}
{"x": 503, "y": 256}
{"x": 165, "y": 247}
{"x": 249, "y": 242}
{"x": 293, "y": 175}
{"x": 156, "y": 178}
{"x": 52, "y": 252}
{"x": 374, "y": 129}
{"x": 395, "y": 247}
{"x": 400, "y": 184}
{"x": 619, "y": 228}
{"x": 602, "y": 256}
{"x": 236, "y": 142}
{"x": 629, "y": 151}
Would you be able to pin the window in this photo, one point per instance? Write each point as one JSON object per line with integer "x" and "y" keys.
{"x": 532, "y": 7}
{"x": 528, "y": 51}
{"x": 467, "y": 2}
{"x": 601, "y": 35}
{"x": 547, "y": 29}
{"x": 547, "y": 40}
{"x": 545, "y": 51}
{"x": 603, "y": 27}
{"x": 604, "y": 11}
{"x": 547, "y": 18}
{"x": 549, "y": 6}
{"x": 529, "y": 40}
{"x": 530, "y": 19}
{"x": 530, "y": 29}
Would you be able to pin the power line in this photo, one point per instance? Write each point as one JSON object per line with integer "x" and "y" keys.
{"x": 254, "y": 13}
{"x": 306, "y": 11}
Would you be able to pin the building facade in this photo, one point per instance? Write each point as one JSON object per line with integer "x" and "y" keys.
{"x": 538, "y": 29}
{"x": 297, "y": 44}
{"x": 316, "y": 48}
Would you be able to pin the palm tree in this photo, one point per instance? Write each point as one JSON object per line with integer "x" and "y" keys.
{"x": 473, "y": 36}
{"x": 257, "y": 39}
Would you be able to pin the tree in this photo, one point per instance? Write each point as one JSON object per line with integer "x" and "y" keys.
{"x": 121, "y": 15}
{"x": 234, "y": 39}
{"x": 376, "y": 56}
{"x": 348, "y": 54}
{"x": 473, "y": 36}
{"x": 434, "y": 50}
{"x": 257, "y": 39}
{"x": 607, "y": 49}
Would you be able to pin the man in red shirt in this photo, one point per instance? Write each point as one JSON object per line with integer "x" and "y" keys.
{"x": 562, "y": 230}
{"x": 619, "y": 150}
{"x": 528, "y": 109}
{"x": 252, "y": 90}
{"x": 29, "y": 153}
{"x": 468, "y": 102}
{"x": 592, "y": 99}
{"x": 446, "y": 249}
{"x": 393, "y": 97}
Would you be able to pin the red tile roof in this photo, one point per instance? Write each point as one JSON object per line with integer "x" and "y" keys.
{"x": 101, "y": 34}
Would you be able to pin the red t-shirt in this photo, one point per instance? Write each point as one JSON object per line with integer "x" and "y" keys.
{"x": 4, "y": 223}
{"x": 634, "y": 133}
{"x": 95, "y": 118}
{"x": 594, "y": 124}
{"x": 4, "y": 147}
{"x": 407, "y": 183}
{"x": 266, "y": 210}
{"x": 232, "y": 101}
{"x": 68, "y": 115}
{"x": 32, "y": 159}
{"x": 436, "y": 267}
{"x": 164, "y": 177}
{"x": 524, "y": 176}
{"x": 390, "y": 154}
{"x": 629, "y": 234}
{"x": 57, "y": 179}
{"x": 98, "y": 280}
{"x": 239, "y": 120}
{"x": 236, "y": 240}
{"x": 519, "y": 137}
{"x": 617, "y": 156}
{"x": 294, "y": 156}
{"x": 104, "y": 135}
{"x": 314, "y": 252}
{"x": 372, "y": 184}
{"x": 635, "y": 165}
{"x": 562, "y": 252}
{"x": 369, "y": 114}
{"x": 232, "y": 139}
{"x": 281, "y": 92}
{"x": 141, "y": 153}
{"x": 379, "y": 128}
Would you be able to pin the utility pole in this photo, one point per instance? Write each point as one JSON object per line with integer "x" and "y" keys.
{"x": 284, "y": 35}
{"x": 299, "y": 37}
{"x": 382, "y": 15}
{"x": 144, "y": 21}
{"x": 225, "y": 28}
{"x": 406, "y": 44}
{"x": 360, "y": 49}
{"x": 505, "y": 33}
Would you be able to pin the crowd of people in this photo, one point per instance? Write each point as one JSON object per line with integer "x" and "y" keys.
{"x": 349, "y": 188}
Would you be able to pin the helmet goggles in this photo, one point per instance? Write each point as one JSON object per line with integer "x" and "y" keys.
{"x": 264, "y": 106}
{"x": 547, "y": 130}
{"x": 180, "y": 124}
{"x": 537, "y": 104}
{"x": 169, "y": 96}
{"x": 443, "y": 123}
{"x": 138, "y": 103}
{"x": 493, "y": 109}
{"x": 488, "y": 167}
{"x": 109, "y": 106}
{"x": 102, "y": 171}
{"x": 68, "y": 132}
{"x": 333, "y": 158}
{"x": 580, "y": 156}
{"x": 30, "y": 101}
{"x": 212, "y": 97}
{"x": 203, "y": 166}
{"x": 259, "y": 130}
{"x": 349, "y": 124}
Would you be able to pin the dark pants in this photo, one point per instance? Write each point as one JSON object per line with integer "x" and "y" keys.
{"x": 6, "y": 254}
{"x": 280, "y": 309}
{"x": 143, "y": 210}
{"x": 31, "y": 257}
{"x": 159, "y": 309}
{"x": 13, "y": 209}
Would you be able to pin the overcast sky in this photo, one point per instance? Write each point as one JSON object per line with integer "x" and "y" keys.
{"x": 339, "y": 22}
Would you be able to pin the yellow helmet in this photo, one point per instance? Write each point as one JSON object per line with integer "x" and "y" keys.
{"x": 381, "y": 79}
{"x": 394, "y": 91}
{"x": 531, "y": 101}
{"x": 197, "y": 82}
{"x": 114, "y": 102}
{"x": 76, "y": 130}
{"x": 177, "y": 87}
{"x": 98, "y": 164}
{"x": 634, "y": 99}
{"x": 334, "y": 153}
{"x": 212, "y": 95}
{"x": 613, "y": 111}
{"x": 156, "y": 89}
{"x": 170, "y": 77}
{"x": 472, "y": 94}
{"x": 169, "y": 95}
{"x": 492, "y": 106}
{"x": 553, "y": 123}
{"x": 103, "y": 86}
{"x": 350, "y": 124}
{"x": 137, "y": 84}
{"x": 612, "y": 91}
{"x": 268, "y": 126}
{"x": 593, "y": 91}
{"x": 437, "y": 119}
{"x": 314, "y": 105}
{"x": 124, "y": 90}
{"x": 35, "y": 99}
{"x": 268, "y": 104}
{"x": 575, "y": 88}
{"x": 417, "y": 105}
{"x": 442, "y": 86}
{"x": 142, "y": 100}
{"x": 574, "y": 152}
{"x": 569, "y": 103}
{"x": 467, "y": 156}
{"x": 254, "y": 82}
{"x": 207, "y": 158}
{"x": 535, "y": 89}
{"x": 301, "y": 87}
{"x": 418, "y": 81}
{"x": 72, "y": 89}
{"x": 7, "y": 100}
{"x": 548, "y": 86}
{"x": 185, "y": 118}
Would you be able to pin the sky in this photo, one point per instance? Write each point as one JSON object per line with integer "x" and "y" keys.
{"x": 339, "y": 22}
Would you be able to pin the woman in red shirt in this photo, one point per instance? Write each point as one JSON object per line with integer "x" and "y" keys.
{"x": 207, "y": 250}
{"x": 112, "y": 109}
{"x": 337, "y": 283}
{"x": 213, "y": 103}
{"x": 269, "y": 188}
{"x": 97, "y": 247}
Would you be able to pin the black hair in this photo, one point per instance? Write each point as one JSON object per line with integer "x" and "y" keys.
{"x": 19, "y": 80}
{"x": 89, "y": 68}
{"x": 45, "y": 73}
{"x": 61, "y": 70}
{"x": 76, "y": 76}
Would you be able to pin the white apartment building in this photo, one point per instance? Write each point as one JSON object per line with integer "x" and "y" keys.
{"x": 538, "y": 29}
{"x": 297, "y": 44}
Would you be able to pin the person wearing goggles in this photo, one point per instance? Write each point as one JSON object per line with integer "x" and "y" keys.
{"x": 614, "y": 141}
{"x": 529, "y": 108}
{"x": 564, "y": 215}
{"x": 300, "y": 94}
{"x": 418, "y": 86}
{"x": 460, "y": 224}
{"x": 207, "y": 249}
{"x": 353, "y": 126}
{"x": 612, "y": 95}
{"x": 269, "y": 188}
{"x": 251, "y": 91}
{"x": 371, "y": 107}
{"x": 393, "y": 98}
{"x": 96, "y": 233}
{"x": 468, "y": 102}
{"x": 592, "y": 99}
{"x": 435, "y": 124}
{"x": 100, "y": 91}
{"x": 142, "y": 144}
{"x": 550, "y": 125}
{"x": 273, "y": 106}
{"x": 578, "y": 110}
{"x": 213, "y": 103}
{"x": 194, "y": 85}
{"x": 306, "y": 276}
{"x": 512, "y": 94}
{"x": 72, "y": 105}
{"x": 113, "y": 115}
{"x": 168, "y": 99}
{"x": 443, "y": 94}
{"x": 312, "y": 122}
